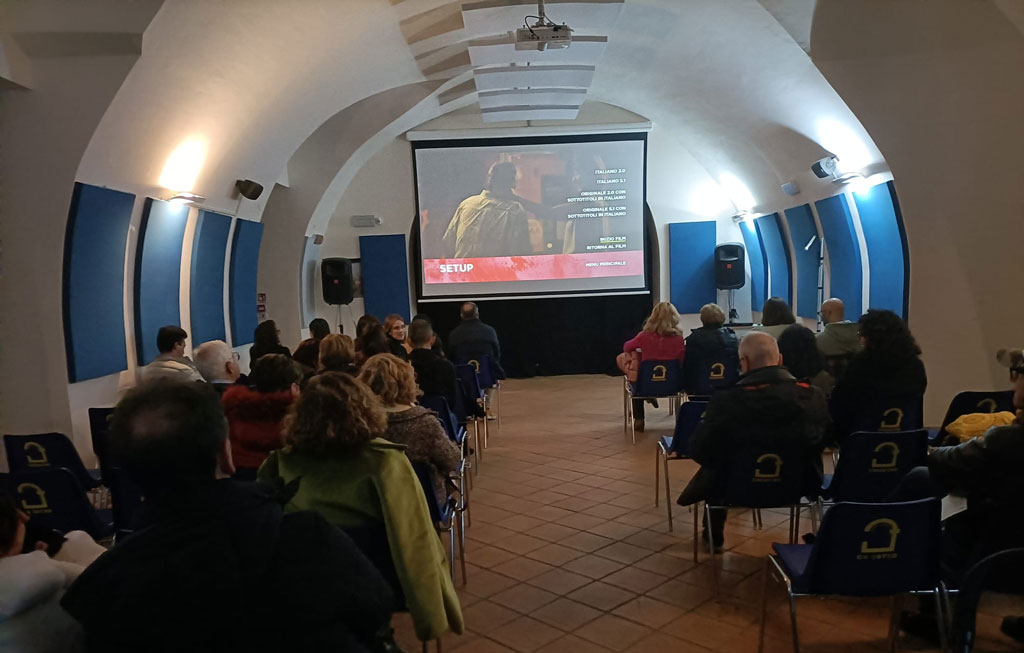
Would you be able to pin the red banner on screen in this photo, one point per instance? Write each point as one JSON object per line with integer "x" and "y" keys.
{"x": 533, "y": 268}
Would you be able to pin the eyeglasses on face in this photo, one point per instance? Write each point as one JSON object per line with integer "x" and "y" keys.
{"x": 236, "y": 356}
{"x": 1015, "y": 372}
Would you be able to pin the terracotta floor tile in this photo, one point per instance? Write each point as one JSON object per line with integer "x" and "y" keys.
{"x": 593, "y": 566}
{"x": 574, "y": 503}
{"x": 585, "y": 541}
{"x": 550, "y": 513}
{"x": 679, "y": 594}
{"x": 614, "y": 632}
{"x": 525, "y": 634}
{"x": 649, "y": 611}
{"x": 552, "y": 532}
{"x": 666, "y": 565}
{"x": 662, "y": 643}
{"x": 602, "y": 596}
{"x": 560, "y": 581}
{"x": 582, "y": 521}
{"x": 484, "y": 615}
{"x": 624, "y": 553}
{"x": 524, "y": 598}
{"x": 522, "y": 568}
{"x": 700, "y": 630}
{"x": 566, "y": 614}
{"x": 488, "y": 556}
{"x": 554, "y": 554}
{"x": 652, "y": 540}
{"x": 520, "y": 523}
{"x": 519, "y": 543}
{"x": 634, "y": 580}
{"x": 484, "y": 583}
{"x": 571, "y": 644}
{"x": 615, "y": 530}
{"x": 641, "y": 519}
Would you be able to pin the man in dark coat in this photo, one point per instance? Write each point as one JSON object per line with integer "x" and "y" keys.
{"x": 218, "y": 566}
{"x": 434, "y": 375}
{"x": 766, "y": 403}
{"x": 472, "y": 339}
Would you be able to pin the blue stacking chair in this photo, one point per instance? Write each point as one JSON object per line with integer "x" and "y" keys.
{"x": 655, "y": 380}
{"x": 458, "y": 435}
{"x": 900, "y": 413}
{"x": 872, "y": 464}
{"x": 704, "y": 375}
{"x": 49, "y": 450}
{"x": 474, "y": 403}
{"x": 443, "y": 511}
{"x": 99, "y": 429}
{"x": 677, "y": 447}
{"x": 487, "y": 376}
{"x": 999, "y": 572}
{"x": 53, "y": 498}
{"x": 967, "y": 402}
{"x": 764, "y": 476}
{"x": 862, "y": 549}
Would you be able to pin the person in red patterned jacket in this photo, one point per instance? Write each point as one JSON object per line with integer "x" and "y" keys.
{"x": 255, "y": 415}
{"x": 660, "y": 340}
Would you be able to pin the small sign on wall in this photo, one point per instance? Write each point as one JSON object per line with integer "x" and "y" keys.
{"x": 261, "y": 305}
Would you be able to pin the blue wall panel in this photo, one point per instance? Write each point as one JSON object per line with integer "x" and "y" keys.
{"x": 93, "y": 281}
{"x": 758, "y": 266}
{"x": 882, "y": 233}
{"x": 801, "y": 230}
{"x": 157, "y": 273}
{"x": 691, "y": 250}
{"x": 777, "y": 253}
{"x": 245, "y": 256}
{"x": 846, "y": 277}
{"x": 206, "y": 285}
{"x": 385, "y": 271}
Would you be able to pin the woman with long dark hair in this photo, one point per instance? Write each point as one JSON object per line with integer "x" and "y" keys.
{"x": 776, "y": 315}
{"x": 266, "y": 339}
{"x": 803, "y": 359}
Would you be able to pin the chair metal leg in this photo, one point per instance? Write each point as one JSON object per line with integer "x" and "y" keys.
{"x": 796, "y": 526}
{"x": 711, "y": 550}
{"x": 497, "y": 403}
{"x": 941, "y": 617}
{"x": 764, "y": 604}
{"x": 657, "y": 475}
{"x": 894, "y": 623}
{"x": 696, "y": 518}
{"x": 668, "y": 494}
{"x": 462, "y": 550}
{"x": 792, "y": 621}
{"x": 451, "y": 551}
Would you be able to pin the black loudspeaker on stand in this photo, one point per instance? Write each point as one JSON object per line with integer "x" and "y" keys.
{"x": 336, "y": 277}
{"x": 730, "y": 270}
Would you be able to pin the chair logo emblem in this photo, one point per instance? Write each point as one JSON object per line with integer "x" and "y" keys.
{"x": 717, "y": 371}
{"x": 773, "y": 475}
{"x": 989, "y": 404}
{"x": 878, "y": 552}
{"x": 476, "y": 365}
{"x": 38, "y": 459}
{"x": 36, "y": 504}
{"x": 879, "y": 464}
{"x": 660, "y": 373}
{"x": 892, "y": 419}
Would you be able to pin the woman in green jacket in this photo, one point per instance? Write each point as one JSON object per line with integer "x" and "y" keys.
{"x": 351, "y": 476}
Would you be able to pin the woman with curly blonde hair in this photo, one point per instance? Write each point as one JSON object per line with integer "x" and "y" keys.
{"x": 660, "y": 340}
{"x": 394, "y": 382}
{"x": 337, "y": 354}
{"x": 340, "y": 467}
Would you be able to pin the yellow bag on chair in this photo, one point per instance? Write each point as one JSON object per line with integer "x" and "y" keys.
{"x": 972, "y": 425}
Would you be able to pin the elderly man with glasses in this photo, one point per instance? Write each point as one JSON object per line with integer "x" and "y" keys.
{"x": 218, "y": 364}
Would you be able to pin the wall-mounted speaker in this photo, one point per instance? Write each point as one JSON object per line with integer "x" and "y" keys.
{"x": 730, "y": 266}
{"x": 336, "y": 277}
{"x": 248, "y": 188}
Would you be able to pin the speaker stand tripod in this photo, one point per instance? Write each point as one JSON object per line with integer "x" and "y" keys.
{"x": 733, "y": 313}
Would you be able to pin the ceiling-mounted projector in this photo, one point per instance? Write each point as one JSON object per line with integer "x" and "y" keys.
{"x": 543, "y": 37}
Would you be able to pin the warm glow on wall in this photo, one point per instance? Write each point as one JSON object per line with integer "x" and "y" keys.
{"x": 846, "y": 144}
{"x": 737, "y": 191}
{"x": 183, "y": 165}
{"x": 709, "y": 200}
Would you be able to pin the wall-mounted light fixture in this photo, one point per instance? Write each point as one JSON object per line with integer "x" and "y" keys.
{"x": 186, "y": 198}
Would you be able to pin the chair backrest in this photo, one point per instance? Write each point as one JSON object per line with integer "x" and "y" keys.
{"x": 999, "y": 572}
{"x": 763, "y": 474}
{"x": 687, "y": 418}
{"x": 53, "y": 498}
{"x": 897, "y": 413}
{"x": 837, "y": 363}
{"x": 877, "y": 549}
{"x": 125, "y": 498}
{"x": 872, "y": 464}
{"x": 99, "y": 428}
{"x": 43, "y": 451}
{"x": 967, "y": 402}
{"x": 469, "y": 387}
{"x": 485, "y": 372}
{"x": 704, "y": 374}
{"x": 659, "y": 379}
{"x": 426, "y": 478}
{"x": 372, "y": 540}
{"x": 445, "y": 415}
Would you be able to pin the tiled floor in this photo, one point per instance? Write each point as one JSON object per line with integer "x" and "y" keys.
{"x": 567, "y": 551}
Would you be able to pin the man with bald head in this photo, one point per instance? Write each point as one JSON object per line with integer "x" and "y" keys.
{"x": 767, "y": 405}
{"x": 473, "y": 339}
{"x": 839, "y": 337}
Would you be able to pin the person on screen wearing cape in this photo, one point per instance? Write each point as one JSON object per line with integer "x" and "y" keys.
{"x": 493, "y": 223}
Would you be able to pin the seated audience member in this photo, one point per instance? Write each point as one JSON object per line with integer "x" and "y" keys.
{"x": 33, "y": 577}
{"x": 839, "y": 339}
{"x": 371, "y": 343}
{"x": 434, "y": 375}
{"x": 219, "y": 566}
{"x": 350, "y": 474}
{"x": 308, "y": 351}
{"x": 171, "y": 363}
{"x": 218, "y": 364}
{"x": 473, "y": 339}
{"x": 394, "y": 383}
{"x": 337, "y": 354}
{"x": 776, "y": 315}
{"x": 266, "y": 339}
{"x": 394, "y": 329}
{"x": 255, "y": 416}
{"x": 660, "y": 340}
{"x": 889, "y": 366}
{"x": 803, "y": 359}
{"x": 987, "y": 472}
{"x": 712, "y": 341}
{"x": 364, "y": 324}
{"x": 767, "y": 404}
{"x": 436, "y": 346}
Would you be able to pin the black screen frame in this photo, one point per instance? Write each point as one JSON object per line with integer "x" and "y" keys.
{"x": 527, "y": 140}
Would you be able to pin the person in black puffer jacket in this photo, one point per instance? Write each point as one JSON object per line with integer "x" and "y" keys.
{"x": 715, "y": 342}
